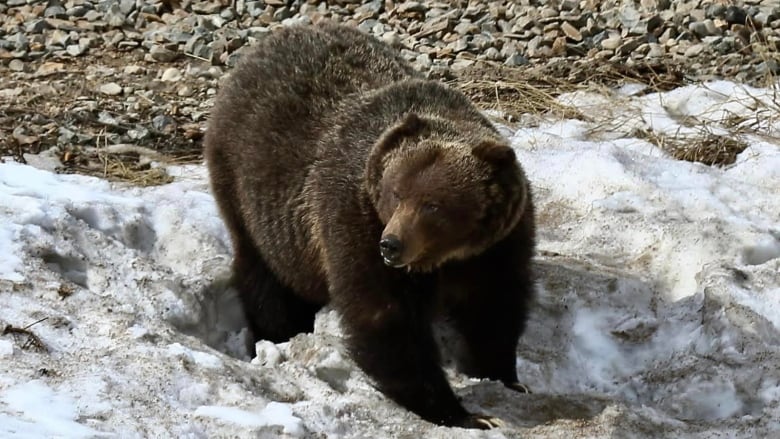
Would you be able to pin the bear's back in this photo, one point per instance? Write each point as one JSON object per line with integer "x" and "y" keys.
{"x": 279, "y": 93}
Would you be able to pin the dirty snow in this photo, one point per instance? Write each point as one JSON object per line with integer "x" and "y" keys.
{"x": 658, "y": 315}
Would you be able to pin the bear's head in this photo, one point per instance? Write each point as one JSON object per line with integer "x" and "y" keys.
{"x": 443, "y": 191}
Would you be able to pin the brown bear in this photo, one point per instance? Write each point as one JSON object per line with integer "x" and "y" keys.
{"x": 344, "y": 177}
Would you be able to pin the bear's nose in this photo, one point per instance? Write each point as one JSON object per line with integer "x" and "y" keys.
{"x": 390, "y": 247}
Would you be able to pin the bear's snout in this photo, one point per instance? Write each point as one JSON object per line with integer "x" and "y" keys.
{"x": 390, "y": 247}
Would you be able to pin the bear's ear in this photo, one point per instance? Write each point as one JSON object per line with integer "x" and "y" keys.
{"x": 494, "y": 152}
{"x": 409, "y": 126}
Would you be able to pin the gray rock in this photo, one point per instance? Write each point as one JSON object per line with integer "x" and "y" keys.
{"x": 726, "y": 45}
{"x": 548, "y": 12}
{"x": 255, "y": 9}
{"x": 516, "y": 60}
{"x": 694, "y": 50}
{"x": 111, "y": 89}
{"x": 770, "y": 66}
{"x": 460, "y": 45}
{"x": 656, "y": 50}
{"x": 612, "y": 43}
{"x": 138, "y": 133}
{"x": 282, "y": 13}
{"x": 16, "y": 65}
{"x": 522, "y": 24}
{"x": 628, "y": 16}
{"x": 171, "y": 74}
{"x": 75, "y": 49}
{"x": 126, "y": 6}
{"x": 133, "y": 70}
{"x": 58, "y": 38}
{"x": 55, "y": 11}
{"x": 163, "y": 124}
{"x": 114, "y": 16}
{"x": 423, "y": 61}
{"x": 162, "y": 54}
{"x": 370, "y": 9}
{"x": 704, "y": 28}
{"x": 569, "y": 5}
{"x": 210, "y": 23}
{"x": 391, "y": 38}
{"x": 698, "y": 14}
{"x": 19, "y": 41}
{"x": 200, "y": 7}
{"x": 227, "y": 14}
{"x": 185, "y": 91}
{"x": 461, "y": 64}
{"x": 466, "y": 28}
{"x": 93, "y": 15}
{"x": 492, "y": 54}
{"x": 37, "y": 26}
{"x": 482, "y": 41}
{"x": 629, "y": 46}
{"x": 571, "y": 32}
{"x": 735, "y": 15}
{"x": 411, "y": 7}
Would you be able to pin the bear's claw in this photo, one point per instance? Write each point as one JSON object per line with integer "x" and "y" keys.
{"x": 522, "y": 388}
{"x": 482, "y": 422}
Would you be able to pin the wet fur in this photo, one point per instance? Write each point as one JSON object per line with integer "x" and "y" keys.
{"x": 298, "y": 147}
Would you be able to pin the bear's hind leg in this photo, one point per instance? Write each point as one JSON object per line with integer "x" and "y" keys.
{"x": 272, "y": 309}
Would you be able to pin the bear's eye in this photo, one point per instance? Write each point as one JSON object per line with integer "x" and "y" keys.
{"x": 396, "y": 196}
{"x": 430, "y": 207}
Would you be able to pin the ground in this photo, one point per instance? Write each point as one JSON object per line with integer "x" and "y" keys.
{"x": 658, "y": 312}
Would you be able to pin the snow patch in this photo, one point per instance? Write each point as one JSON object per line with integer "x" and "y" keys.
{"x": 273, "y": 414}
{"x": 658, "y": 313}
{"x": 33, "y": 409}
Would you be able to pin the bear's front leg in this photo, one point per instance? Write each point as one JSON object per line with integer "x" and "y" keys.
{"x": 389, "y": 336}
{"x": 491, "y": 295}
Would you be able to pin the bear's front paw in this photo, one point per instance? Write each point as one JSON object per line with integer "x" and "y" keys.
{"x": 522, "y": 388}
{"x": 482, "y": 422}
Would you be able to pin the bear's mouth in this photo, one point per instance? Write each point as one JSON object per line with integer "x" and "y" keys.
{"x": 393, "y": 264}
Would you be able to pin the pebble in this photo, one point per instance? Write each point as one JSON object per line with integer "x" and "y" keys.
{"x": 74, "y": 49}
{"x": 16, "y": 65}
{"x": 694, "y": 51}
{"x": 171, "y": 74}
{"x": 185, "y": 91}
{"x": 571, "y": 31}
{"x": 111, "y": 89}
{"x": 611, "y": 43}
{"x": 162, "y": 54}
{"x": 52, "y": 42}
{"x": 132, "y": 70}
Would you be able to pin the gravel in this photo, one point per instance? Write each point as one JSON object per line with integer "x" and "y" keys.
{"x": 62, "y": 63}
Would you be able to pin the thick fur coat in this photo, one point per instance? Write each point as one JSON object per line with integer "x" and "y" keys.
{"x": 346, "y": 178}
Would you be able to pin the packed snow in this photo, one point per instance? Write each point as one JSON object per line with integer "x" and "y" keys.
{"x": 658, "y": 311}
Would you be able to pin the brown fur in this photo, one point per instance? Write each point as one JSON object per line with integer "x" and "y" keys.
{"x": 324, "y": 142}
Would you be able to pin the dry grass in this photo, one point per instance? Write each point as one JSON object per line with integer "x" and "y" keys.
{"x": 708, "y": 148}
{"x": 513, "y": 92}
{"x": 124, "y": 163}
{"x": 535, "y": 90}
{"x": 30, "y": 340}
{"x": 35, "y": 109}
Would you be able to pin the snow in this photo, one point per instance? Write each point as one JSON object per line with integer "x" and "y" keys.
{"x": 273, "y": 414}
{"x": 658, "y": 315}
{"x": 44, "y": 413}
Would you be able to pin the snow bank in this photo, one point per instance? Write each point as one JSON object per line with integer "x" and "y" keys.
{"x": 659, "y": 308}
